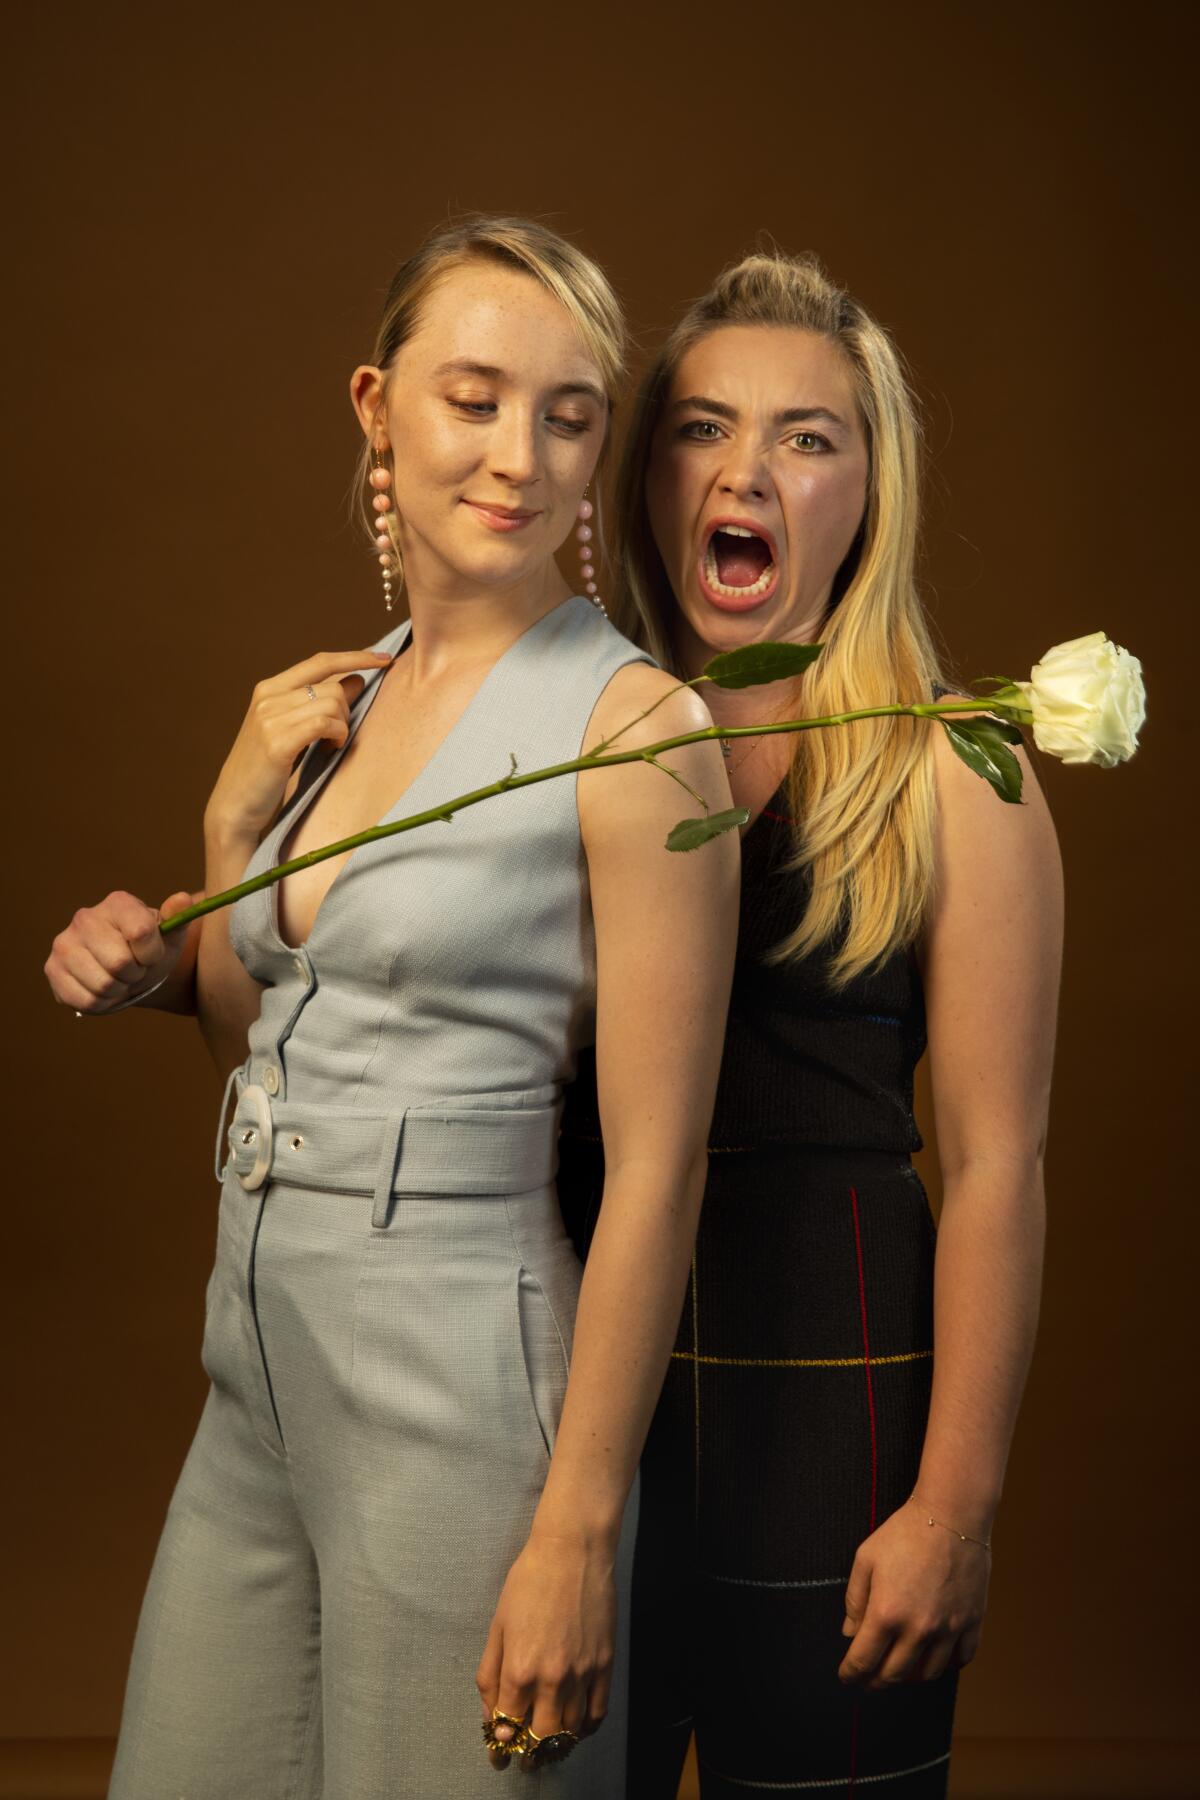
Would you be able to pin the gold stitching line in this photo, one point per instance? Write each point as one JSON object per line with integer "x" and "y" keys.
{"x": 713, "y": 1149}
{"x": 591, "y": 1137}
{"x": 799, "y": 1362}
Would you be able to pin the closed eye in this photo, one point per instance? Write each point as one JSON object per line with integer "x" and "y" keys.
{"x": 485, "y": 409}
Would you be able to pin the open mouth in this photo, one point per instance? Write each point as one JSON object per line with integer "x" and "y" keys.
{"x": 738, "y": 563}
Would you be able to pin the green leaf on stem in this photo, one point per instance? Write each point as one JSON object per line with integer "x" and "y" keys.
{"x": 983, "y": 746}
{"x": 755, "y": 664}
{"x": 1007, "y": 697}
{"x": 1011, "y": 733}
{"x": 689, "y": 834}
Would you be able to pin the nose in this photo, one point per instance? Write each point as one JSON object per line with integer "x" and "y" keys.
{"x": 513, "y": 447}
{"x": 743, "y": 474}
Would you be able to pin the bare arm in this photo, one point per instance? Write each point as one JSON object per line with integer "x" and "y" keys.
{"x": 227, "y": 996}
{"x": 287, "y": 713}
{"x": 990, "y": 961}
{"x": 666, "y": 927}
{"x": 113, "y": 955}
{"x": 210, "y": 980}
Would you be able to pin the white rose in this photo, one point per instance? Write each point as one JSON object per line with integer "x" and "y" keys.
{"x": 1088, "y": 701}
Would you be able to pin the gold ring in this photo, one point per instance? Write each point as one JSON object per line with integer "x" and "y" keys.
{"x": 556, "y": 1746}
{"x": 505, "y": 1747}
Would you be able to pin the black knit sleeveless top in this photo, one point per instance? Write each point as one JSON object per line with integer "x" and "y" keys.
{"x": 804, "y": 1063}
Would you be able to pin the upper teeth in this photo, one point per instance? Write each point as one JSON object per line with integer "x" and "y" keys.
{"x": 736, "y": 531}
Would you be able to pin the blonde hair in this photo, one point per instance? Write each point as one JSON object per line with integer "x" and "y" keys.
{"x": 576, "y": 282}
{"x": 861, "y": 796}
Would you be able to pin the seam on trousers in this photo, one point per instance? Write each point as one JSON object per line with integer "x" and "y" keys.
{"x": 310, "y": 1711}
{"x": 279, "y": 1449}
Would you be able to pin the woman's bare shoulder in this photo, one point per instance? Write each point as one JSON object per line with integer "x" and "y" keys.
{"x": 969, "y": 806}
{"x": 635, "y": 687}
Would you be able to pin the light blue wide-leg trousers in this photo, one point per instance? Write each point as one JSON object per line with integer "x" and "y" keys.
{"x": 385, "y": 1390}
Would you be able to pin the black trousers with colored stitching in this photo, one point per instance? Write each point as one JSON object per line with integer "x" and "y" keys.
{"x": 790, "y": 1426}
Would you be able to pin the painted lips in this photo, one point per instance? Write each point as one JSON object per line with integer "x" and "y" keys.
{"x": 738, "y": 569}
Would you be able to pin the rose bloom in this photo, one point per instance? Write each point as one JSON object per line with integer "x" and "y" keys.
{"x": 1088, "y": 701}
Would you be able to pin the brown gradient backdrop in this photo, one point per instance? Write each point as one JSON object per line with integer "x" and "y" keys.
{"x": 208, "y": 205}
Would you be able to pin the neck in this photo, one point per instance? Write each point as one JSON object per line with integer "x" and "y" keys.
{"x": 460, "y": 622}
{"x": 764, "y": 704}
{"x": 760, "y": 705}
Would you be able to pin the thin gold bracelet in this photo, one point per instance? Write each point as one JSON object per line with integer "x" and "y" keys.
{"x": 986, "y": 1543}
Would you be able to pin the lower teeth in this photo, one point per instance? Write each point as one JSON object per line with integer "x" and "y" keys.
{"x": 714, "y": 580}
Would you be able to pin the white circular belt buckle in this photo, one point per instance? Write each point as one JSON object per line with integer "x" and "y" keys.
{"x": 257, "y": 1131}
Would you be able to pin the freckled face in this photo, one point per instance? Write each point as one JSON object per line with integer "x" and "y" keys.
{"x": 756, "y": 484}
{"x": 495, "y": 413}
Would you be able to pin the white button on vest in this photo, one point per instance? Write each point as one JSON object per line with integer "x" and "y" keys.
{"x": 270, "y": 1078}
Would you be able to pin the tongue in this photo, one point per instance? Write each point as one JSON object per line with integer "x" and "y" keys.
{"x": 740, "y": 561}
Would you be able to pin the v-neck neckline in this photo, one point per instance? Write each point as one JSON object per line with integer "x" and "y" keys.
{"x": 763, "y": 810}
{"x": 288, "y": 825}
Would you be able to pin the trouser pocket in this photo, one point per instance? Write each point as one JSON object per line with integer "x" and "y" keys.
{"x": 543, "y": 1356}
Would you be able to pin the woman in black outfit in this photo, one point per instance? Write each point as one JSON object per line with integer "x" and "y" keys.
{"x": 793, "y": 1604}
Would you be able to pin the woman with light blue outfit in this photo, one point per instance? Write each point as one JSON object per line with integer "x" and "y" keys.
{"x": 412, "y": 1484}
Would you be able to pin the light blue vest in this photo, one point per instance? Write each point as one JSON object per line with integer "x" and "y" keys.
{"x": 456, "y": 961}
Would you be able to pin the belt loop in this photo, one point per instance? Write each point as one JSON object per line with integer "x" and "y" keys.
{"x": 390, "y": 1135}
{"x": 219, "y": 1167}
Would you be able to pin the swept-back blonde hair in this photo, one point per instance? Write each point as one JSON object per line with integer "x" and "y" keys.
{"x": 576, "y": 282}
{"x": 861, "y": 795}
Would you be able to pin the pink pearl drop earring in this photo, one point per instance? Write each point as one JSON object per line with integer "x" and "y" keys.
{"x": 385, "y": 540}
{"x": 583, "y": 532}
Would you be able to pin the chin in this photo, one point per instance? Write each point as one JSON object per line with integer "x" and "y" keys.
{"x": 728, "y": 630}
{"x": 494, "y": 568}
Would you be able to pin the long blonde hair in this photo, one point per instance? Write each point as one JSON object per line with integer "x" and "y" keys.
{"x": 576, "y": 282}
{"x": 861, "y": 796}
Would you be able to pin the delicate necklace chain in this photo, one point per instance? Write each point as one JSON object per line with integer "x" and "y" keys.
{"x": 727, "y": 752}
{"x": 727, "y": 743}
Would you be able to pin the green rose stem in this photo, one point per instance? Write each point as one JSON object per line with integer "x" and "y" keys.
{"x": 982, "y": 744}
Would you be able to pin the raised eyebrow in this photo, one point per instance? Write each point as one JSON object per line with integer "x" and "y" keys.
{"x": 792, "y": 415}
{"x": 799, "y": 415}
{"x": 701, "y": 403}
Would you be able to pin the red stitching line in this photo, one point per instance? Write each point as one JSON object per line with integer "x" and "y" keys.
{"x": 779, "y": 818}
{"x": 862, "y": 1302}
